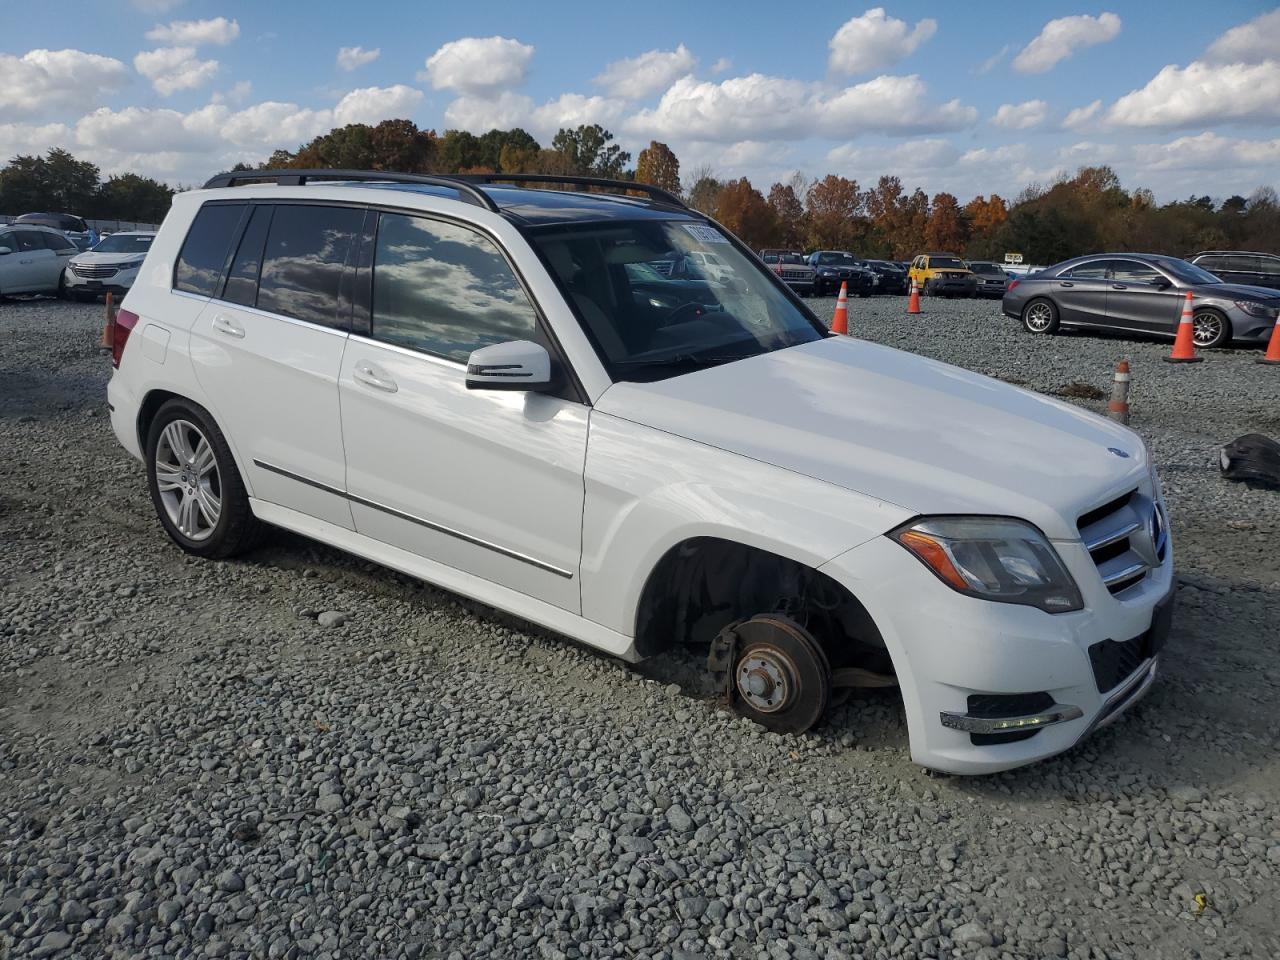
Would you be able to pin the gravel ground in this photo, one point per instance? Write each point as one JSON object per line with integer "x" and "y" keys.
{"x": 302, "y": 755}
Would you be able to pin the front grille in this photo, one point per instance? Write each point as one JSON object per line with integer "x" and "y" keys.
{"x": 1126, "y": 537}
{"x": 796, "y": 275}
{"x": 91, "y": 271}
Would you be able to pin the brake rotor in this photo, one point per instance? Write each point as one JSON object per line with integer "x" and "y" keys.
{"x": 780, "y": 676}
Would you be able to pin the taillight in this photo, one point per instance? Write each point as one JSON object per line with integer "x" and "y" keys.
{"x": 1012, "y": 284}
{"x": 121, "y": 326}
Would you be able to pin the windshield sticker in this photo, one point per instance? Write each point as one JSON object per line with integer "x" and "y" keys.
{"x": 705, "y": 234}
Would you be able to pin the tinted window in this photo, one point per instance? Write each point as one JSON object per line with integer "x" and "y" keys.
{"x": 444, "y": 289}
{"x": 1131, "y": 271}
{"x": 204, "y": 252}
{"x": 307, "y": 248}
{"x": 242, "y": 280}
{"x": 1096, "y": 270}
{"x": 1212, "y": 264}
{"x": 30, "y": 240}
{"x": 56, "y": 241}
{"x": 1269, "y": 266}
{"x": 1237, "y": 262}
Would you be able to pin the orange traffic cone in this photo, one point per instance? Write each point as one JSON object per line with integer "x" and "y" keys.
{"x": 840, "y": 322}
{"x": 1273, "y": 346}
{"x": 913, "y": 304}
{"x": 1184, "y": 345}
{"x": 109, "y": 328}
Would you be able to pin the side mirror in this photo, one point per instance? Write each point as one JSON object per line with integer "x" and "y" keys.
{"x": 4, "y": 250}
{"x": 515, "y": 365}
{"x": 1161, "y": 283}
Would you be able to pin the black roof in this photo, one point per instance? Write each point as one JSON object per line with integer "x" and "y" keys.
{"x": 500, "y": 193}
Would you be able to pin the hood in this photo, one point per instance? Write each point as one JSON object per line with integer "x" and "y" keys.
{"x": 108, "y": 259}
{"x": 1236, "y": 291}
{"x": 914, "y": 432}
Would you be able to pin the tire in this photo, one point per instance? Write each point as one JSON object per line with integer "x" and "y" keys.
{"x": 1215, "y": 326}
{"x": 62, "y": 286}
{"x": 1040, "y": 316}
{"x": 204, "y": 507}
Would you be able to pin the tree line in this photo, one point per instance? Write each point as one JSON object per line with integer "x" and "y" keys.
{"x": 59, "y": 183}
{"x": 1086, "y": 212}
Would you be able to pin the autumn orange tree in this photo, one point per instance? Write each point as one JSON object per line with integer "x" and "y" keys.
{"x": 834, "y": 207}
{"x": 788, "y": 214}
{"x": 742, "y": 209}
{"x": 945, "y": 230}
{"x": 657, "y": 165}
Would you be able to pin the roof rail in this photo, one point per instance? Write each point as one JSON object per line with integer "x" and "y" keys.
{"x": 655, "y": 193}
{"x": 294, "y": 178}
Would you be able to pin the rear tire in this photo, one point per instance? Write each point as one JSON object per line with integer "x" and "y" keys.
{"x": 195, "y": 487}
{"x": 1040, "y": 316}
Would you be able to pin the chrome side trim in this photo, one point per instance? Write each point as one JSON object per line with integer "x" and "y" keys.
{"x": 421, "y": 521}
{"x": 1060, "y": 713}
{"x": 1134, "y": 689}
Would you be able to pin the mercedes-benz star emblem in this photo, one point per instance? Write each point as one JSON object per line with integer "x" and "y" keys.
{"x": 1118, "y": 452}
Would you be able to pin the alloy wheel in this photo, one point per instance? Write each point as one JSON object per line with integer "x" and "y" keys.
{"x": 1206, "y": 328}
{"x": 188, "y": 480}
{"x": 1039, "y": 317}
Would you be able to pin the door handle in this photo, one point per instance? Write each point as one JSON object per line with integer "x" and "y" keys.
{"x": 26, "y": 261}
{"x": 228, "y": 327}
{"x": 1065, "y": 283}
{"x": 371, "y": 376}
{"x": 1118, "y": 286}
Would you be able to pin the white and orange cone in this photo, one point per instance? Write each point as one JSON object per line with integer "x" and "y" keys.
{"x": 840, "y": 321}
{"x": 1118, "y": 408}
{"x": 913, "y": 302}
{"x": 1184, "y": 345}
{"x": 1273, "y": 346}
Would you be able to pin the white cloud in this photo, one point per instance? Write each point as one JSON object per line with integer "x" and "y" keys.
{"x": 874, "y": 41}
{"x": 195, "y": 33}
{"x": 374, "y": 104}
{"x": 638, "y": 77}
{"x": 350, "y": 58}
{"x": 1021, "y": 116}
{"x": 1202, "y": 94}
{"x": 574, "y": 109}
{"x": 238, "y": 93}
{"x": 41, "y": 81}
{"x": 481, "y": 114}
{"x": 1081, "y": 116}
{"x": 478, "y": 66}
{"x": 32, "y": 138}
{"x": 758, "y": 107}
{"x": 1251, "y": 42}
{"x": 171, "y": 69}
{"x": 1063, "y": 37}
{"x": 993, "y": 61}
{"x": 721, "y": 65}
{"x": 938, "y": 165}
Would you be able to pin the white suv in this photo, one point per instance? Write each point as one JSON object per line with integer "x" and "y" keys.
{"x": 492, "y": 387}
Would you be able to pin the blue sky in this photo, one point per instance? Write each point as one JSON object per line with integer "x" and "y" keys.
{"x": 972, "y": 98}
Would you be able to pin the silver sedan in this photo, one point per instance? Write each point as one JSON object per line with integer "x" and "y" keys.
{"x": 1141, "y": 293}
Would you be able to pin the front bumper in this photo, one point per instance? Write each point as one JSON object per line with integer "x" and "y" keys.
{"x": 1246, "y": 328}
{"x": 951, "y": 651}
{"x": 119, "y": 282}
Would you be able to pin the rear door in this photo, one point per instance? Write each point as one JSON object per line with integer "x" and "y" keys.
{"x": 1140, "y": 297}
{"x": 268, "y": 349}
{"x": 1081, "y": 293}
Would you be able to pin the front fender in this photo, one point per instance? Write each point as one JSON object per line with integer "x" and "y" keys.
{"x": 648, "y": 490}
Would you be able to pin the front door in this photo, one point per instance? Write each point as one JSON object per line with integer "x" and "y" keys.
{"x": 1142, "y": 298}
{"x": 1081, "y": 293}
{"x": 268, "y": 348}
{"x": 487, "y": 482}
{"x": 32, "y": 267}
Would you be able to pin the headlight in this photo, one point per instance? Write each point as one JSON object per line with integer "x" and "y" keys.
{"x": 1254, "y": 309}
{"x": 994, "y": 558}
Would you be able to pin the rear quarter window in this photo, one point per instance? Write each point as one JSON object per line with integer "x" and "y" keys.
{"x": 204, "y": 252}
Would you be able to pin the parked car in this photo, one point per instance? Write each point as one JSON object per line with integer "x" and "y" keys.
{"x": 32, "y": 259}
{"x": 459, "y": 380}
{"x": 942, "y": 275}
{"x": 709, "y": 265}
{"x": 834, "y": 267}
{"x": 893, "y": 276}
{"x": 111, "y": 266}
{"x": 1241, "y": 266}
{"x": 991, "y": 278}
{"x": 80, "y": 233}
{"x": 793, "y": 268}
{"x": 1142, "y": 293}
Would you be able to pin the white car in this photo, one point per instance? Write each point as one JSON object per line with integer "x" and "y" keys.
{"x": 110, "y": 267}
{"x": 457, "y": 379}
{"x": 32, "y": 259}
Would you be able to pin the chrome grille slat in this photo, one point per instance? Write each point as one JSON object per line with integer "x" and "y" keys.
{"x": 1106, "y": 539}
{"x": 1124, "y": 573}
{"x": 1115, "y": 534}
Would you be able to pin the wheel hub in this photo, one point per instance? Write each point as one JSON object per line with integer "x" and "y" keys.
{"x": 763, "y": 682}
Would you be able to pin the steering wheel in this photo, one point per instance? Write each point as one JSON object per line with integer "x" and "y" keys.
{"x": 676, "y": 316}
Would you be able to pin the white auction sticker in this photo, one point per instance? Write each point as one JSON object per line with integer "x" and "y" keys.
{"x": 705, "y": 234}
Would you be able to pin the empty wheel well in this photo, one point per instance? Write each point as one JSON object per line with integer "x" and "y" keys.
{"x": 151, "y": 405}
{"x": 705, "y": 583}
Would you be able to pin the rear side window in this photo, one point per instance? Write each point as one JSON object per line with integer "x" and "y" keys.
{"x": 204, "y": 252}
{"x": 56, "y": 241}
{"x": 444, "y": 289}
{"x": 242, "y": 281}
{"x": 1241, "y": 264}
{"x": 1097, "y": 270}
{"x": 306, "y": 252}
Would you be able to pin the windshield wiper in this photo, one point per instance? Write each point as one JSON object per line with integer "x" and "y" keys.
{"x": 678, "y": 360}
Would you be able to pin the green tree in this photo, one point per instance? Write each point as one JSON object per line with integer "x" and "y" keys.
{"x": 458, "y": 150}
{"x": 131, "y": 197}
{"x": 516, "y": 142}
{"x": 658, "y": 165}
{"x": 56, "y": 183}
{"x": 590, "y": 151}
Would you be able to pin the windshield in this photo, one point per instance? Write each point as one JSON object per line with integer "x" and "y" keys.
{"x": 1186, "y": 272}
{"x": 985, "y": 268}
{"x": 652, "y": 313}
{"x": 828, "y": 258}
{"x": 123, "y": 243}
{"x": 937, "y": 262}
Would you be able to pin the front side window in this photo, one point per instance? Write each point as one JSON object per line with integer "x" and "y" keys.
{"x": 30, "y": 240}
{"x": 1237, "y": 263}
{"x": 204, "y": 252}
{"x": 56, "y": 241}
{"x": 444, "y": 289}
{"x": 647, "y": 323}
{"x": 305, "y": 256}
{"x": 1131, "y": 271}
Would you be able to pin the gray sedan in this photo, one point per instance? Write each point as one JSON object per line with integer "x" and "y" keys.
{"x": 1141, "y": 293}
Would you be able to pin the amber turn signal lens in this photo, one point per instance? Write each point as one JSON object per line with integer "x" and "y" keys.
{"x": 934, "y": 556}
